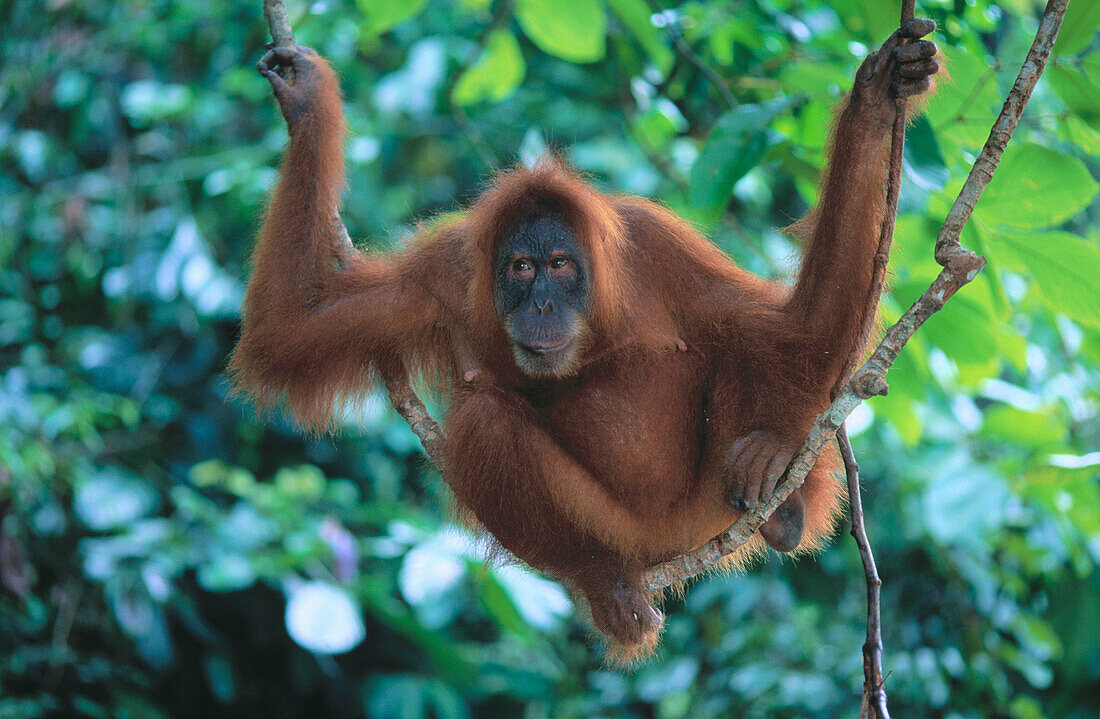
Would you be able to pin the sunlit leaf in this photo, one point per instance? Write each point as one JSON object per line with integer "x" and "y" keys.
{"x": 1076, "y": 131}
{"x": 963, "y": 106}
{"x": 1065, "y": 268}
{"x": 500, "y": 606}
{"x": 1080, "y": 91}
{"x": 1079, "y": 27}
{"x": 112, "y": 498}
{"x": 541, "y": 602}
{"x": 963, "y": 500}
{"x": 901, "y": 413}
{"x": 1067, "y": 492}
{"x": 570, "y": 29}
{"x": 814, "y": 77}
{"x": 962, "y": 329}
{"x": 874, "y": 19}
{"x": 1022, "y": 427}
{"x": 495, "y": 75}
{"x": 1036, "y": 187}
{"x": 384, "y": 14}
{"x": 226, "y": 573}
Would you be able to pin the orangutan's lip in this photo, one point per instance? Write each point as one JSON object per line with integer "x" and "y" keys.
{"x": 543, "y": 349}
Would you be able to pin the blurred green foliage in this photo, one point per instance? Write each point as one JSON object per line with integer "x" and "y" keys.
{"x": 164, "y": 554}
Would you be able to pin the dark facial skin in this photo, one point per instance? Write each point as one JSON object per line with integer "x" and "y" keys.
{"x": 542, "y": 296}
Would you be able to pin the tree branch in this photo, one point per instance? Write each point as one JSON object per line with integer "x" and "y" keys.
{"x": 874, "y": 693}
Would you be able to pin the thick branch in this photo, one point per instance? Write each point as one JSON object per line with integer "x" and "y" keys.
{"x": 960, "y": 266}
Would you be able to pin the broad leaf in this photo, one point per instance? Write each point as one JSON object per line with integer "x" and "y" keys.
{"x": 385, "y": 14}
{"x": 1022, "y": 427}
{"x": 1078, "y": 27}
{"x": 1036, "y": 187}
{"x": 964, "y": 105}
{"x": 1066, "y": 269}
{"x": 734, "y": 147}
{"x": 570, "y": 29}
{"x": 1078, "y": 88}
{"x": 923, "y": 160}
{"x": 495, "y": 75}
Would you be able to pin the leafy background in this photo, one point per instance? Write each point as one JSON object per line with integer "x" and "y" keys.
{"x": 164, "y": 554}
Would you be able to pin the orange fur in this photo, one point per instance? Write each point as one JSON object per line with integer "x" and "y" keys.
{"x": 594, "y": 477}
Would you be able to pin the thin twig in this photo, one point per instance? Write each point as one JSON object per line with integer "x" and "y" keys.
{"x": 960, "y": 266}
{"x": 684, "y": 48}
{"x": 874, "y": 690}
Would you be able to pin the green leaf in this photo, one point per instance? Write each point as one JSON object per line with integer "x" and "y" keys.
{"x": 1076, "y": 131}
{"x": 570, "y": 29}
{"x": 1078, "y": 89}
{"x": 1066, "y": 492}
{"x": 875, "y": 19}
{"x": 226, "y": 573}
{"x": 1066, "y": 269}
{"x": 112, "y": 498}
{"x": 901, "y": 413}
{"x": 1036, "y": 187}
{"x": 963, "y": 500}
{"x": 923, "y": 159}
{"x": 500, "y": 607}
{"x": 495, "y": 75}
{"x": 635, "y": 15}
{"x": 735, "y": 146}
{"x": 964, "y": 104}
{"x": 1021, "y": 427}
{"x": 1078, "y": 27}
{"x": 820, "y": 79}
{"x": 385, "y": 14}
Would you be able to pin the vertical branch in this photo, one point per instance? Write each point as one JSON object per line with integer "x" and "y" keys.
{"x": 874, "y": 691}
{"x": 281, "y": 32}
